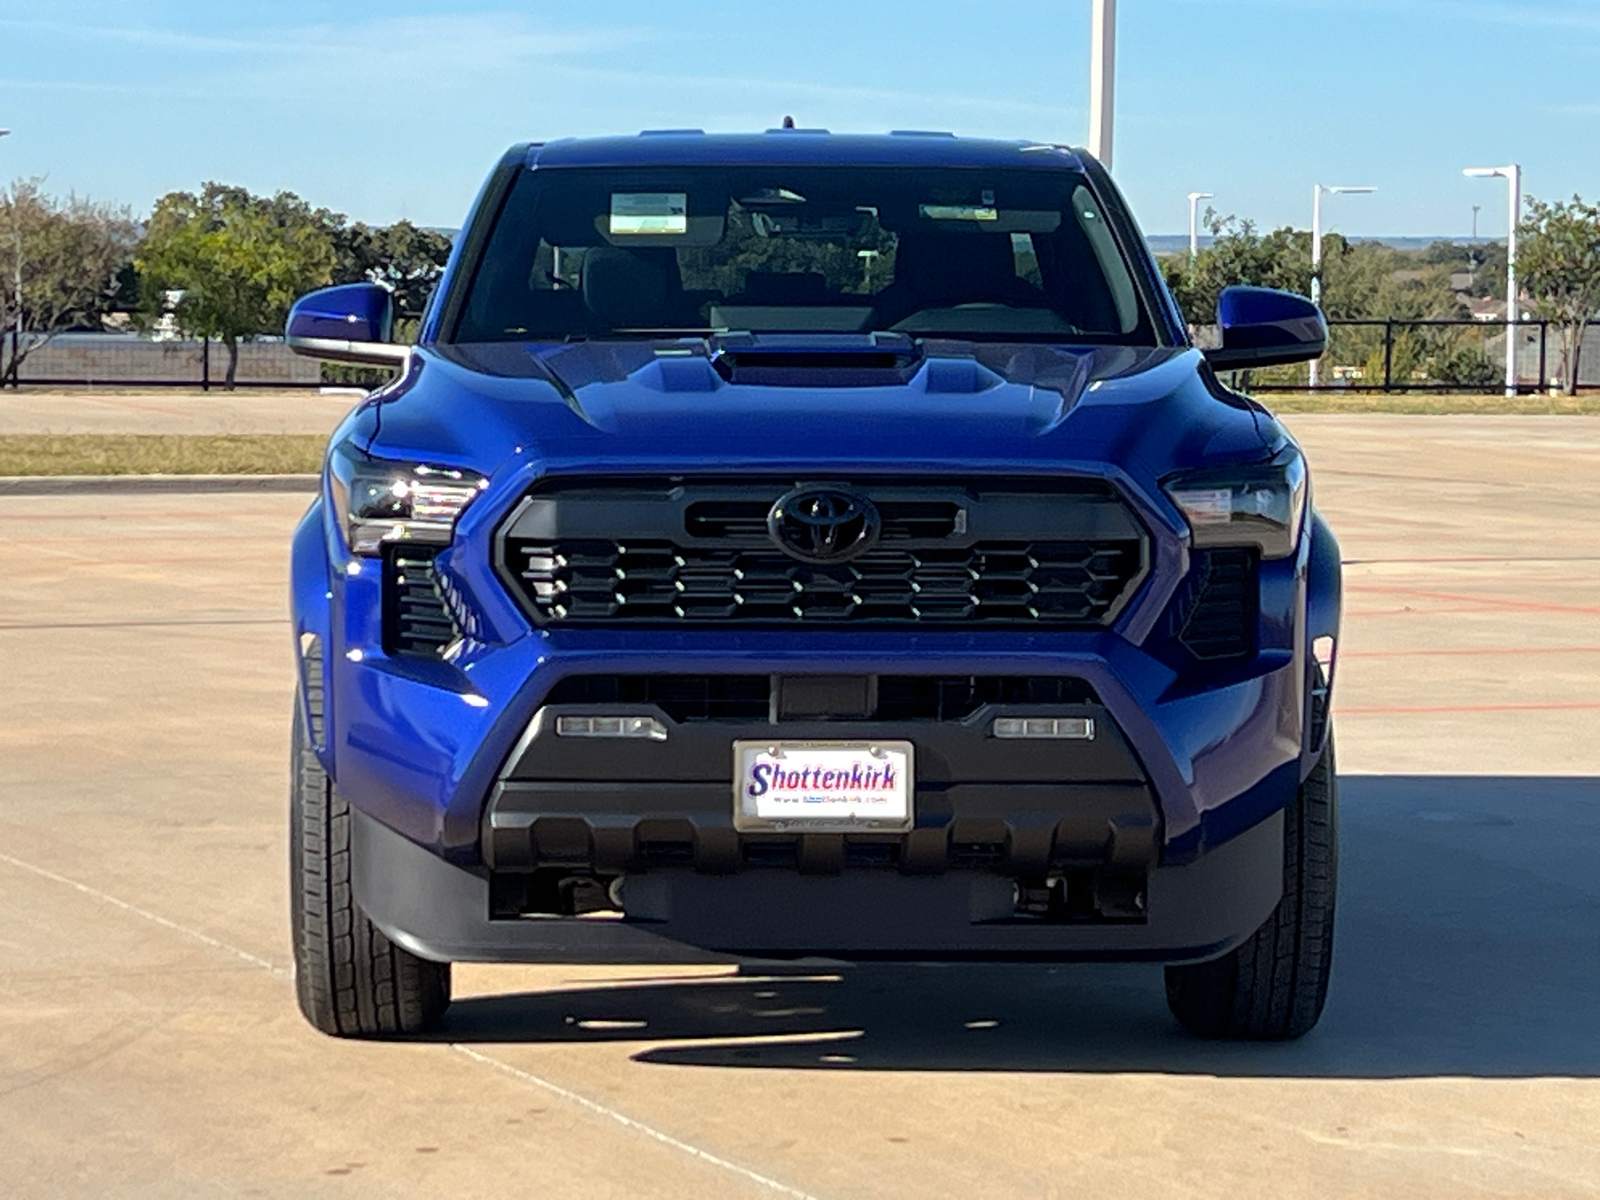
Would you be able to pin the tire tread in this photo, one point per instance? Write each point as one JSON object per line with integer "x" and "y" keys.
{"x": 1274, "y": 986}
{"x": 350, "y": 979}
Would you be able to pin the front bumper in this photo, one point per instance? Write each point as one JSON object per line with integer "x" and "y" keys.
{"x": 442, "y": 911}
{"x": 420, "y": 748}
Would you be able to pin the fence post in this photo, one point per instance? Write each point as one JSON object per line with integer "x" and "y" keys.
{"x": 1388, "y": 353}
{"x": 1544, "y": 375}
{"x": 205, "y": 363}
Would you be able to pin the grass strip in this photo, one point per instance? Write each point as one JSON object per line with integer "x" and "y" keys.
{"x": 161, "y": 454}
{"x": 1428, "y": 403}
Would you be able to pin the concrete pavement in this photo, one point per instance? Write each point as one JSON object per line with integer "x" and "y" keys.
{"x": 88, "y": 410}
{"x": 149, "y": 1044}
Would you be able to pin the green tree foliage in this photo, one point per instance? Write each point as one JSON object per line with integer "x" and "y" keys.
{"x": 239, "y": 260}
{"x": 1361, "y": 281}
{"x": 406, "y": 259}
{"x": 1559, "y": 270}
{"x": 67, "y": 258}
{"x": 1238, "y": 254}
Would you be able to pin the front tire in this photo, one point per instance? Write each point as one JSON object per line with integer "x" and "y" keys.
{"x": 1273, "y": 987}
{"x": 350, "y": 980}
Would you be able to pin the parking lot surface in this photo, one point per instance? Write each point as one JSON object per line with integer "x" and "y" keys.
{"x": 149, "y": 1044}
{"x": 175, "y": 410}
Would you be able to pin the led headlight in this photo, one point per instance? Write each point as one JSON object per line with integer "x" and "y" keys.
{"x": 1260, "y": 506}
{"x": 380, "y": 502}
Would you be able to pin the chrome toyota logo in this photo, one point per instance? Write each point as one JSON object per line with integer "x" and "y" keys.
{"x": 823, "y": 524}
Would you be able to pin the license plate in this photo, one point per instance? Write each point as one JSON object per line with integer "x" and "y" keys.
{"x": 822, "y": 787}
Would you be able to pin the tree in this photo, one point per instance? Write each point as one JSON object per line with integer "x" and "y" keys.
{"x": 1559, "y": 266}
{"x": 406, "y": 259}
{"x": 1237, "y": 255}
{"x": 67, "y": 259}
{"x": 239, "y": 261}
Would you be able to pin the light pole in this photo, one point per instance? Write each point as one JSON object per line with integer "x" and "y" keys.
{"x": 1102, "y": 79}
{"x": 16, "y": 324}
{"x": 1194, "y": 221}
{"x": 1513, "y": 176}
{"x": 1317, "y": 190}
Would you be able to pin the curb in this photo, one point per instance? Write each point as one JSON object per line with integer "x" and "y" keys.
{"x": 65, "y": 485}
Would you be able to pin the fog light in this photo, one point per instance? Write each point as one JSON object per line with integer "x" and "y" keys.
{"x": 611, "y": 727}
{"x": 1076, "y": 729}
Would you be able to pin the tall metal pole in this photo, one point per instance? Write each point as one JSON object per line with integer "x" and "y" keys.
{"x": 1103, "y": 79}
{"x": 1513, "y": 176}
{"x": 1194, "y": 222}
{"x": 1316, "y": 249}
{"x": 1513, "y": 299}
{"x": 16, "y": 325}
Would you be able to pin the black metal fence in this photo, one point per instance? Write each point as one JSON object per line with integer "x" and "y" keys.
{"x": 1390, "y": 355}
{"x": 1394, "y": 355}
{"x": 127, "y": 361}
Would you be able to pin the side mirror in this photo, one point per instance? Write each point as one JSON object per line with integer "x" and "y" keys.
{"x": 1266, "y": 328}
{"x": 349, "y": 323}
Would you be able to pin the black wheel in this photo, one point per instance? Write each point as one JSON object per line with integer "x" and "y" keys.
{"x": 1273, "y": 987}
{"x": 350, "y": 979}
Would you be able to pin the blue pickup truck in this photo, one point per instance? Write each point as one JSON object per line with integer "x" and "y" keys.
{"x": 795, "y": 546}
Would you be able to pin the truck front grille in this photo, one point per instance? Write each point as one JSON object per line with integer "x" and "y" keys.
{"x": 1030, "y": 583}
{"x": 1051, "y": 553}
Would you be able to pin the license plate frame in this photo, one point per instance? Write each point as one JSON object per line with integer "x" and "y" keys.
{"x": 764, "y": 804}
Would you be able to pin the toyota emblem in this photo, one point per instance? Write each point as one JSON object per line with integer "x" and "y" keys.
{"x": 823, "y": 524}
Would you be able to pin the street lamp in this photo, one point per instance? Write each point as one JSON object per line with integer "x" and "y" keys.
{"x": 1102, "y": 79}
{"x": 1194, "y": 221}
{"x": 1316, "y": 248}
{"x": 1513, "y": 176}
{"x": 16, "y": 326}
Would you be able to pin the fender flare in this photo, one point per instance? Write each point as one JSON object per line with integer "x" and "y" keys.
{"x": 1324, "y": 604}
{"x": 1324, "y": 583}
{"x": 310, "y": 599}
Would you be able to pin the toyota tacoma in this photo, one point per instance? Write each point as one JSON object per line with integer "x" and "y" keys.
{"x": 801, "y": 546}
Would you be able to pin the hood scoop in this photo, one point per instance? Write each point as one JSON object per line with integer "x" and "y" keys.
{"x": 857, "y": 360}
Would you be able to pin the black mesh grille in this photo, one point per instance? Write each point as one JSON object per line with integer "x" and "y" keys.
{"x": 1073, "y": 583}
{"x": 1020, "y": 552}
{"x": 416, "y": 619}
{"x": 1217, "y": 617}
{"x": 690, "y": 698}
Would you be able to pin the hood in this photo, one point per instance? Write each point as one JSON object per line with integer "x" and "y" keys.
{"x": 622, "y": 407}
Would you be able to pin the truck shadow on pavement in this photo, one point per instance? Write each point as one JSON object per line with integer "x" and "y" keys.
{"x": 1468, "y": 944}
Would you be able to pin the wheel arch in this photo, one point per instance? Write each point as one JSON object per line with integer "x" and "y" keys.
{"x": 310, "y": 602}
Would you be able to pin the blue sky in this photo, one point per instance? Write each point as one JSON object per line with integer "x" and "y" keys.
{"x": 397, "y": 110}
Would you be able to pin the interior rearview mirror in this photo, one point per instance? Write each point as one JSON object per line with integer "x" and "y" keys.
{"x": 1262, "y": 327}
{"x": 349, "y": 323}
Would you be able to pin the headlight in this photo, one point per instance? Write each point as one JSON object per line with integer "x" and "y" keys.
{"x": 379, "y": 502}
{"x": 1259, "y": 506}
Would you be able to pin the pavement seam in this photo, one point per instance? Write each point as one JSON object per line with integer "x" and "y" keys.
{"x": 527, "y": 1077}
{"x": 650, "y": 1131}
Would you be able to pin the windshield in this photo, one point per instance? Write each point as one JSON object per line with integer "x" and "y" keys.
{"x": 949, "y": 253}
